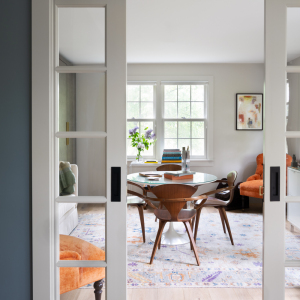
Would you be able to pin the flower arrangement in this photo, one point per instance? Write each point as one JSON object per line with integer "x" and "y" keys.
{"x": 141, "y": 141}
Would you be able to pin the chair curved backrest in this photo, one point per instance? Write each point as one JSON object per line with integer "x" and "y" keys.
{"x": 170, "y": 167}
{"x": 231, "y": 177}
{"x": 173, "y": 197}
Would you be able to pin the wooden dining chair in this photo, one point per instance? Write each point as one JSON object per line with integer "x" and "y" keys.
{"x": 174, "y": 197}
{"x": 138, "y": 202}
{"x": 218, "y": 204}
{"x": 169, "y": 167}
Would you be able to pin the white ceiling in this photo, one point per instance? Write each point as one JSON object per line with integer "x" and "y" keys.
{"x": 176, "y": 31}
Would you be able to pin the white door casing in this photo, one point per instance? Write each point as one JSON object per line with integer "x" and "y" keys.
{"x": 44, "y": 146}
{"x": 274, "y": 262}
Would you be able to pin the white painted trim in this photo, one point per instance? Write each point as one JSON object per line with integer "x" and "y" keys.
{"x": 80, "y": 3}
{"x": 292, "y": 134}
{"x": 81, "y": 199}
{"x": 292, "y": 199}
{"x": 81, "y": 134}
{"x": 292, "y": 263}
{"x": 81, "y": 69}
{"x": 81, "y": 264}
{"x": 274, "y": 149}
{"x": 292, "y": 3}
{"x": 293, "y": 69}
{"x": 160, "y": 80}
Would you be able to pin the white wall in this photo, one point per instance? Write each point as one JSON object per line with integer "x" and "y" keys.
{"x": 90, "y": 116}
{"x": 233, "y": 150}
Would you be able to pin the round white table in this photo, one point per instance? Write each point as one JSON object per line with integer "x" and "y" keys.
{"x": 171, "y": 236}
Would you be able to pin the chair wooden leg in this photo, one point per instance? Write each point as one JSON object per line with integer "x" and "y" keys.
{"x": 158, "y": 237}
{"x": 197, "y": 224}
{"x": 222, "y": 219}
{"x": 190, "y": 233}
{"x": 141, "y": 213}
{"x": 159, "y": 207}
{"x": 191, "y": 224}
{"x": 98, "y": 289}
{"x": 227, "y": 224}
{"x": 159, "y": 243}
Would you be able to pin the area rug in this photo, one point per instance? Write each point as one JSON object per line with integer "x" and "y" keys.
{"x": 222, "y": 265}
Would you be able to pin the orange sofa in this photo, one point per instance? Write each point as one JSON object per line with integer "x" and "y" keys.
{"x": 250, "y": 188}
{"x": 72, "y": 248}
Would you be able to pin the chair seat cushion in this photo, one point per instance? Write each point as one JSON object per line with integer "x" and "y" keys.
{"x": 251, "y": 188}
{"x": 184, "y": 214}
{"x": 73, "y": 278}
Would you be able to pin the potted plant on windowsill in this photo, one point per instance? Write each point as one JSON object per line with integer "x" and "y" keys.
{"x": 141, "y": 141}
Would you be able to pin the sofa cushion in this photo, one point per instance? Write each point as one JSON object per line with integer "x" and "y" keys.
{"x": 251, "y": 188}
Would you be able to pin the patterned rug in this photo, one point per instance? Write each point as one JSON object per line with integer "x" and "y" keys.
{"x": 222, "y": 265}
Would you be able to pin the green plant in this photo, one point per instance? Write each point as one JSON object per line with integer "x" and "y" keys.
{"x": 141, "y": 141}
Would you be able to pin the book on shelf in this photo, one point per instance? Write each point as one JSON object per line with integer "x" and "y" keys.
{"x": 151, "y": 161}
{"x": 180, "y": 173}
{"x": 172, "y": 177}
{"x": 171, "y": 155}
{"x": 171, "y": 158}
{"x": 172, "y": 150}
{"x": 170, "y": 161}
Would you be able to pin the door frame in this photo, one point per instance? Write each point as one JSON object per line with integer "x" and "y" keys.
{"x": 45, "y": 246}
{"x": 275, "y": 134}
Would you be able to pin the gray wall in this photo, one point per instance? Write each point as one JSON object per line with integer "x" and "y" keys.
{"x": 15, "y": 152}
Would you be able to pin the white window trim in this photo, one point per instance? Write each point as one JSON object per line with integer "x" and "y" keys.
{"x": 159, "y": 145}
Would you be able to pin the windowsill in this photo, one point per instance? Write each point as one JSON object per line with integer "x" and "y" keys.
{"x": 193, "y": 163}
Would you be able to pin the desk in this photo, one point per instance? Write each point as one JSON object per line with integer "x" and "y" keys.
{"x": 171, "y": 236}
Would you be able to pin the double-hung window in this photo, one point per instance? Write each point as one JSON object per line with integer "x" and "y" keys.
{"x": 184, "y": 114}
{"x": 140, "y": 112}
{"x": 178, "y": 109}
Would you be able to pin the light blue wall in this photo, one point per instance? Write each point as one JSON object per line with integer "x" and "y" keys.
{"x": 15, "y": 150}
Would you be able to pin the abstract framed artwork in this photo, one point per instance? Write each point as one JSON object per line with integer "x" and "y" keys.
{"x": 249, "y": 111}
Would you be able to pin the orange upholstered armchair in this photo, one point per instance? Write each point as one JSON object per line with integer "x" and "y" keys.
{"x": 72, "y": 248}
{"x": 251, "y": 186}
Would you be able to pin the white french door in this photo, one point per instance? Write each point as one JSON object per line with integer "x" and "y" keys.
{"x": 64, "y": 50}
{"x": 279, "y": 139}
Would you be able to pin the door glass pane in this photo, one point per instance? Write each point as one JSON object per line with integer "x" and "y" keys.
{"x": 292, "y": 102}
{"x": 87, "y": 160}
{"x": 293, "y": 36}
{"x": 74, "y": 285}
{"x": 81, "y": 231}
{"x": 81, "y": 35}
{"x": 147, "y": 92}
{"x": 82, "y": 102}
{"x": 197, "y": 109}
{"x": 146, "y": 110}
{"x": 133, "y": 92}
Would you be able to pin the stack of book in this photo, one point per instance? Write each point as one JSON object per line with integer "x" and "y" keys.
{"x": 171, "y": 156}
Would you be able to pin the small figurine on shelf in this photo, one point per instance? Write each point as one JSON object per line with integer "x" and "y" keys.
{"x": 294, "y": 163}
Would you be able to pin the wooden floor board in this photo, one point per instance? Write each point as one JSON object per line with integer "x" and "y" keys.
{"x": 169, "y": 293}
{"x": 196, "y": 294}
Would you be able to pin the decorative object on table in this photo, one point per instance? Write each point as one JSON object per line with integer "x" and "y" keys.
{"x": 141, "y": 141}
{"x": 249, "y": 111}
{"x": 171, "y": 156}
{"x": 179, "y": 175}
{"x": 150, "y": 174}
{"x": 294, "y": 163}
{"x": 183, "y": 160}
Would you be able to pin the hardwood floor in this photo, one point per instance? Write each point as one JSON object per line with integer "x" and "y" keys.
{"x": 180, "y": 293}
{"x": 184, "y": 294}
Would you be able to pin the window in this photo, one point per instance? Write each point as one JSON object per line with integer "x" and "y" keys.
{"x": 140, "y": 112}
{"x": 184, "y": 117}
{"x": 179, "y": 110}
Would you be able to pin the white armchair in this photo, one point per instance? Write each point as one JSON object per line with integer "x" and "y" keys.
{"x": 67, "y": 212}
